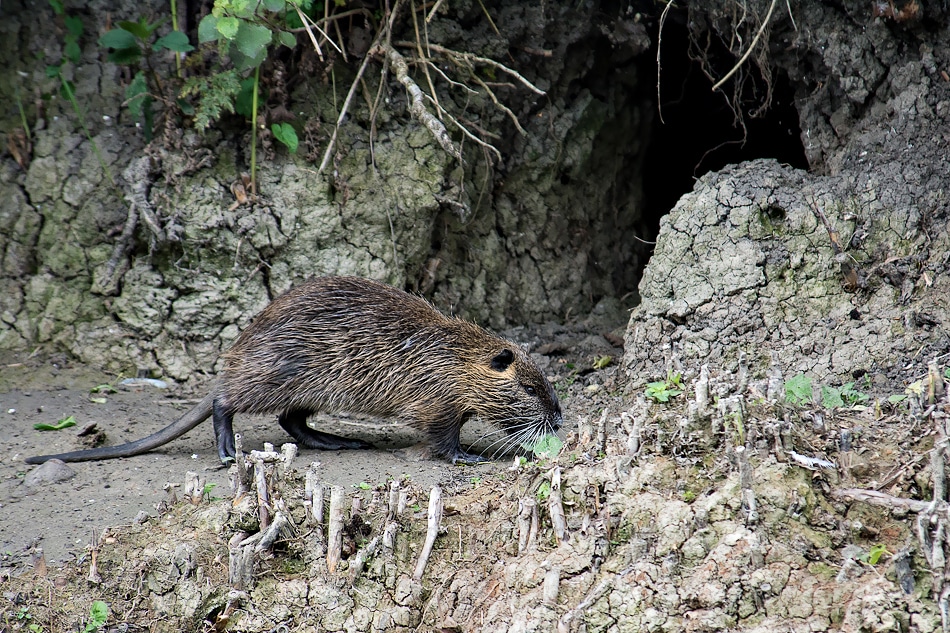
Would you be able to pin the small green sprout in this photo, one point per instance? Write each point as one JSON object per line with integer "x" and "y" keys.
{"x": 663, "y": 390}
{"x": 98, "y": 614}
{"x": 544, "y": 491}
{"x": 798, "y": 390}
{"x": 876, "y": 552}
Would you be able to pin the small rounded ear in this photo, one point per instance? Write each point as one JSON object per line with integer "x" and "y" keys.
{"x": 502, "y": 360}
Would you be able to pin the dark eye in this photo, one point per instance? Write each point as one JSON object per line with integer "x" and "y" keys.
{"x": 530, "y": 390}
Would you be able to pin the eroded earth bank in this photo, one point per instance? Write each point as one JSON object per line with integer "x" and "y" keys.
{"x": 766, "y": 452}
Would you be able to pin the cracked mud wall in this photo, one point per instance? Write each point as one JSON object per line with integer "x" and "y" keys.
{"x": 536, "y": 236}
{"x": 745, "y": 262}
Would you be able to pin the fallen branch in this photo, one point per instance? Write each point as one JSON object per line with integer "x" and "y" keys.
{"x": 359, "y": 561}
{"x": 527, "y": 525}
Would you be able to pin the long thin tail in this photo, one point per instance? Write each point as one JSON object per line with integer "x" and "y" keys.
{"x": 198, "y": 414}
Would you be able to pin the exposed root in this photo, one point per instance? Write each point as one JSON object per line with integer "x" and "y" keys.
{"x": 457, "y": 57}
{"x": 108, "y": 277}
{"x": 384, "y": 48}
{"x": 416, "y": 105}
{"x": 755, "y": 41}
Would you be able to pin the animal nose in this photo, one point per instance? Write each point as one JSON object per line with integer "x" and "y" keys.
{"x": 557, "y": 422}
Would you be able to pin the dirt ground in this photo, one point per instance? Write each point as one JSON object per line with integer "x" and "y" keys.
{"x": 62, "y": 517}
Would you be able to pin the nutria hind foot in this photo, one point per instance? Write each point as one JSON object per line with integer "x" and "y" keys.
{"x": 466, "y": 458}
{"x": 295, "y": 423}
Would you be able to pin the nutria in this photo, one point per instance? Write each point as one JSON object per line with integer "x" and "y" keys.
{"x": 345, "y": 344}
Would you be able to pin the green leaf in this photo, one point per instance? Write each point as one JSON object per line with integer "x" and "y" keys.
{"x": 851, "y": 395}
{"x": 118, "y": 39}
{"x": 876, "y": 552}
{"x": 897, "y": 397}
{"x": 548, "y": 446}
{"x": 72, "y": 52}
{"x": 58, "y": 7}
{"x": 798, "y": 389}
{"x": 287, "y": 39}
{"x": 53, "y": 71}
{"x": 831, "y": 398}
{"x": 602, "y": 361}
{"x": 98, "y": 614}
{"x": 73, "y": 25}
{"x": 106, "y": 387}
{"x": 663, "y": 390}
{"x": 252, "y": 39}
{"x": 286, "y": 134}
{"x": 186, "y": 108}
{"x": 208, "y": 29}
{"x": 175, "y": 41}
{"x": 98, "y": 400}
{"x": 138, "y": 29}
{"x": 544, "y": 491}
{"x": 136, "y": 95}
{"x": 228, "y": 27}
{"x": 243, "y": 104}
{"x": 65, "y": 423}
{"x": 274, "y": 5}
{"x": 242, "y": 62}
{"x": 125, "y": 56}
{"x": 243, "y": 8}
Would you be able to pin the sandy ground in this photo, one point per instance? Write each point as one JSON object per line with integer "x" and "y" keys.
{"x": 62, "y": 517}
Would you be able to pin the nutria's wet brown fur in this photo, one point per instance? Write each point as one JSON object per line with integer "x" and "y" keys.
{"x": 336, "y": 344}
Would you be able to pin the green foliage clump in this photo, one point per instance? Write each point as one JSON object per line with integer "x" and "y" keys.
{"x": 663, "y": 390}
{"x": 243, "y": 30}
{"x": 800, "y": 391}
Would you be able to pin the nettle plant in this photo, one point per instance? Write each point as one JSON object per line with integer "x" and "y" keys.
{"x": 244, "y": 31}
{"x": 132, "y": 43}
